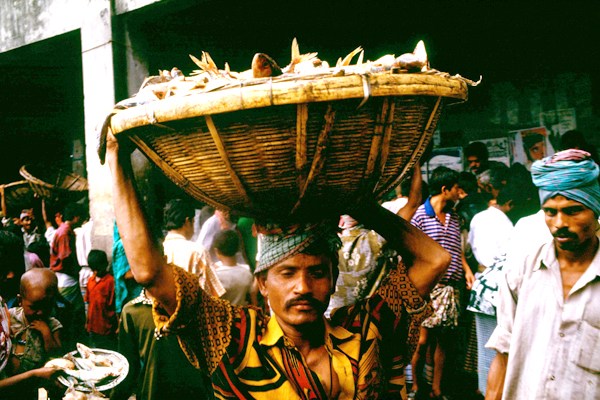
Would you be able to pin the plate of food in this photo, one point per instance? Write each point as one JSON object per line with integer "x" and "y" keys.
{"x": 91, "y": 369}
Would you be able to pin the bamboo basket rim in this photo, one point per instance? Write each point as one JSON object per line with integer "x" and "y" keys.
{"x": 273, "y": 92}
{"x": 16, "y": 183}
{"x": 36, "y": 181}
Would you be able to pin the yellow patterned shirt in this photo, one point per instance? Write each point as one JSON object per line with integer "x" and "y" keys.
{"x": 248, "y": 357}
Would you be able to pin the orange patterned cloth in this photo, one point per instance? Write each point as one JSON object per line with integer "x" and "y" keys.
{"x": 248, "y": 357}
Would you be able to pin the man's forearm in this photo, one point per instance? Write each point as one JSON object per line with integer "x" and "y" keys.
{"x": 495, "y": 380}
{"x": 18, "y": 382}
{"x": 144, "y": 257}
{"x": 415, "y": 195}
{"x": 427, "y": 260}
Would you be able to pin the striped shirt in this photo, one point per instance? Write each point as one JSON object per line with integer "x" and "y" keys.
{"x": 448, "y": 236}
{"x": 248, "y": 357}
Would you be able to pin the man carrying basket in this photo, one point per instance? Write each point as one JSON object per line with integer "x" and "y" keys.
{"x": 296, "y": 353}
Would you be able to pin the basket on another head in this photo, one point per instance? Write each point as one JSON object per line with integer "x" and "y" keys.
{"x": 54, "y": 184}
{"x": 299, "y": 148}
{"x": 17, "y": 196}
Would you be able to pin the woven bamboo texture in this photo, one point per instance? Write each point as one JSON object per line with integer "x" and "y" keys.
{"x": 17, "y": 196}
{"x": 54, "y": 184}
{"x": 301, "y": 148}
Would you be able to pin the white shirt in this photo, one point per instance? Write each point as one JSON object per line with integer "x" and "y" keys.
{"x": 182, "y": 252}
{"x": 395, "y": 205}
{"x": 553, "y": 344}
{"x": 209, "y": 230}
{"x": 192, "y": 257}
{"x": 65, "y": 280}
{"x": 530, "y": 232}
{"x": 49, "y": 234}
{"x": 83, "y": 242}
{"x": 236, "y": 280}
{"x": 489, "y": 235}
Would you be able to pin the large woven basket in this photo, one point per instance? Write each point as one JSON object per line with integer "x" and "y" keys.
{"x": 54, "y": 184}
{"x": 301, "y": 147}
{"x": 17, "y": 196}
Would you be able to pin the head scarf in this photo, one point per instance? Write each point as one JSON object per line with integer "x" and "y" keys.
{"x": 27, "y": 212}
{"x": 347, "y": 222}
{"x": 279, "y": 242}
{"x": 570, "y": 173}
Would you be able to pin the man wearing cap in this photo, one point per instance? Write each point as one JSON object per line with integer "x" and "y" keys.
{"x": 548, "y": 334}
{"x": 295, "y": 354}
{"x": 30, "y": 231}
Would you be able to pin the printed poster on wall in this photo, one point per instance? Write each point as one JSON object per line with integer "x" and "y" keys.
{"x": 451, "y": 157}
{"x": 558, "y": 122}
{"x": 498, "y": 149}
{"x": 529, "y": 145}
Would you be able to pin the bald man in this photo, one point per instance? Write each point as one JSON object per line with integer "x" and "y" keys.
{"x": 35, "y": 332}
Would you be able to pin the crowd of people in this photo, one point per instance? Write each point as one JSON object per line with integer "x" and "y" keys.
{"x": 60, "y": 291}
{"x": 470, "y": 284}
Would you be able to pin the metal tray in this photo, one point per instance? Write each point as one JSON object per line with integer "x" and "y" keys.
{"x": 117, "y": 359}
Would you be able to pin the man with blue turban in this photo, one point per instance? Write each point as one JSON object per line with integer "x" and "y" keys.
{"x": 548, "y": 334}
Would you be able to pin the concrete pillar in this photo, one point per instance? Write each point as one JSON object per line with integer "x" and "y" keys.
{"x": 112, "y": 71}
{"x": 99, "y": 98}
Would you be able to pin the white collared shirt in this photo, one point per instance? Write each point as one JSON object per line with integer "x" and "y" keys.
{"x": 553, "y": 344}
{"x": 489, "y": 235}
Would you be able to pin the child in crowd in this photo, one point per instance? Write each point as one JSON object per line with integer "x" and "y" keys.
{"x": 235, "y": 278}
{"x": 102, "y": 317}
{"x": 34, "y": 332}
{"x": 24, "y": 385}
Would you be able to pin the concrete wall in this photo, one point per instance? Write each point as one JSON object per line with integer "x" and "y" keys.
{"x": 29, "y": 21}
{"x": 23, "y": 22}
{"x": 124, "y": 6}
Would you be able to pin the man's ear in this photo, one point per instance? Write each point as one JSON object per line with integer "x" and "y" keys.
{"x": 261, "y": 280}
{"x": 510, "y": 205}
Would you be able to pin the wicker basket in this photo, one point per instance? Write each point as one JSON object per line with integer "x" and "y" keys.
{"x": 302, "y": 147}
{"x": 54, "y": 184}
{"x": 17, "y": 196}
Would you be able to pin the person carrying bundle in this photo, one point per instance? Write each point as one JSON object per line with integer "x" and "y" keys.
{"x": 296, "y": 353}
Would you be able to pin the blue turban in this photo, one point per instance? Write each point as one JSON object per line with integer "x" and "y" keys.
{"x": 570, "y": 173}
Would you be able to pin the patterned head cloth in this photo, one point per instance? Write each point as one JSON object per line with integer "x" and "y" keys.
{"x": 278, "y": 243}
{"x": 347, "y": 222}
{"x": 570, "y": 173}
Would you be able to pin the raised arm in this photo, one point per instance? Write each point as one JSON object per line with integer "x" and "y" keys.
{"x": 3, "y": 200}
{"x": 414, "y": 196}
{"x": 427, "y": 261}
{"x": 143, "y": 253}
{"x": 47, "y": 221}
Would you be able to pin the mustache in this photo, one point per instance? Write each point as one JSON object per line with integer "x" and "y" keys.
{"x": 314, "y": 303}
{"x": 564, "y": 233}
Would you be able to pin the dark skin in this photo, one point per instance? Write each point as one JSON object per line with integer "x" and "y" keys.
{"x": 26, "y": 379}
{"x": 38, "y": 298}
{"x": 573, "y": 227}
{"x": 36, "y": 377}
{"x": 298, "y": 290}
{"x": 303, "y": 322}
